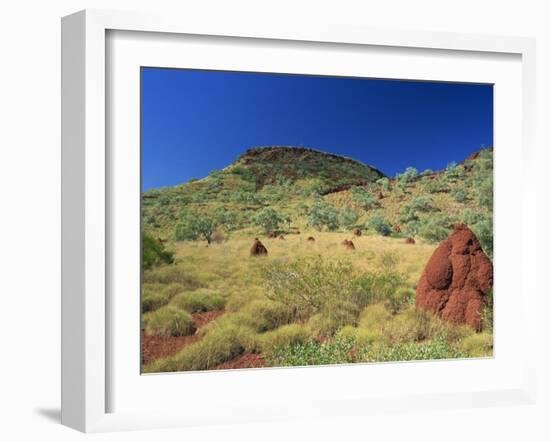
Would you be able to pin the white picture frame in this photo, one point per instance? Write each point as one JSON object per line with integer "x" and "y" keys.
{"x": 86, "y": 207}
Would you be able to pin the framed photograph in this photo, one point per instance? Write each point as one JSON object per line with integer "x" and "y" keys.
{"x": 252, "y": 212}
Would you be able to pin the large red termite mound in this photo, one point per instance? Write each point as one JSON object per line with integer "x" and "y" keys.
{"x": 258, "y": 249}
{"x": 456, "y": 279}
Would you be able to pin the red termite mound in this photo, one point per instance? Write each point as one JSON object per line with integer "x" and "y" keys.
{"x": 456, "y": 279}
{"x": 349, "y": 245}
{"x": 257, "y": 249}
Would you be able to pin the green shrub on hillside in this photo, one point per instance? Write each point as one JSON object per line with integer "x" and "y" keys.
{"x": 348, "y": 218}
{"x": 408, "y": 176}
{"x": 363, "y": 198}
{"x": 435, "y": 184}
{"x": 460, "y": 195}
{"x": 323, "y": 215}
{"x": 384, "y": 183}
{"x": 154, "y": 253}
{"x": 379, "y": 224}
{"x": 195, "y": 226}
{"x": 454, "y": 171}
{"x": 225, "y": 218}
{"x": 484, "y": 192}
{"x": 436, "y": 227}
{"x": 246, "y": 197}
{"x": 481, "y": 224}
{"x": 269, "y": 219}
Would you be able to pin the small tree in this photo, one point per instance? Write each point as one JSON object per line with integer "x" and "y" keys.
{"x": 195, "y": 226}
{"x": 363, "y": 198}
{"x": 269, "y": 219}
{"x": 323, "y": 214}
{"x": 153, "y": 252}
{"x": 410, "y": 174}
{"x": 436, "y": 228}
{"x": 384, "y": 183}
{"x": 348, "y": 218}
{"x": 379, "y": 224}
{"x": 225, "y": 218}
{"x": 454, "y": 171}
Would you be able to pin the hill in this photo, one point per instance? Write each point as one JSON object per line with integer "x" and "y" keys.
{"x": 297, "y": 189}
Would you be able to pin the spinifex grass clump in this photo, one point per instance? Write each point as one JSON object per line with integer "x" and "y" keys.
{"x": 200, "y": 300}
{"x": 155, "y": 296}
{"x": 169, "y": 321}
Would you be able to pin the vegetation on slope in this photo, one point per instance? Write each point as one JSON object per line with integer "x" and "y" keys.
{"x": 308, "y": 303}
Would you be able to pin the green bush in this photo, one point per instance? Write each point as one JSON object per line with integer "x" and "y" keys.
{"x": 323, "y": 215}
{"x": 348, "y": 218}
{"x": 460, "y": 195}
{"x": 169, "y": 321}
{"x": 335, "y": 351}
{"x": 153, "y": 253}
{"x": 399, "y": 299}
{"x": 372, "y": 287}
{"x": 363, "y": 198}
{"x": 170, "y": 274}
{"x": 225, "y": 218}
{"x": 375, "y": 317}
{"x": 200, "y": 300}
{"x": 437, "y": 349}
{"x": 435, "y": 184}
{"x": 269, "y": 219}
{"x": 224, "y": 341}
{"x": 263, "y": 315}
{"x": 408, "y": 176}
{"x": 333, "y": 318}
{"x": 436, "y": 228}
{"x": 195, "y": 226}
{"x": 379, "y": 224}
{"x": 384, "y": 183}
{"x": 454, "y": 171}
{"x": 282, "y": 336}
{"x": 481, "y": 224}
{"x": 484, "y": 193}
{"x": 307, "y": 285}
{"x": 155, "y": 296}
{"x": 362, "y": 337}
{"x": 478, "y": 345}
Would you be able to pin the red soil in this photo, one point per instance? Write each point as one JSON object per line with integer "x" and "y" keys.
{"x": 154, "y": 347}
{"x": 247, "y": 360}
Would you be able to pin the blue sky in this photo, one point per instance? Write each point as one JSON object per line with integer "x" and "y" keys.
{"x": 197, "y": 121}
